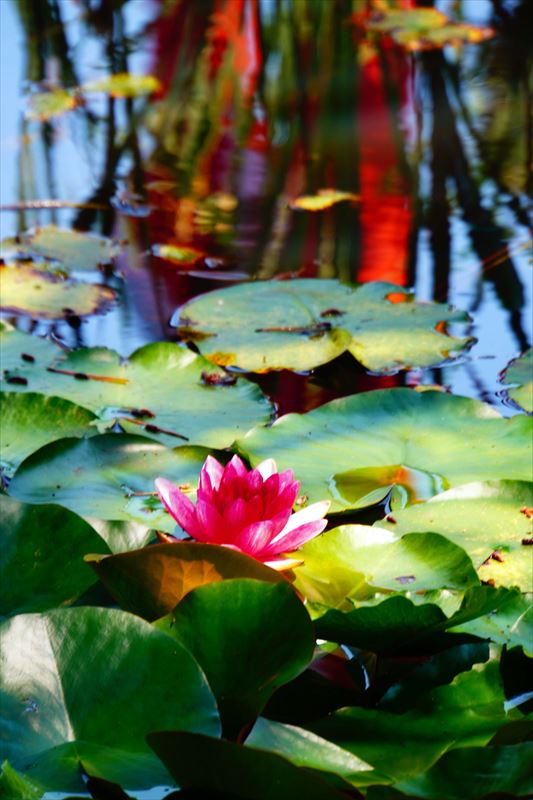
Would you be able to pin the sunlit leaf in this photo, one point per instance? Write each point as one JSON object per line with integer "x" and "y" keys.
{"x": 75, "y": 250}
{"x": 41, "y": 557}
{"x": 123, "y": 84}
{"x": 465, "y": 713}
{"x": 354, "y": 561}
{"x": 230, "y": 770}
{"x": 301, "y": 323}
{"x": 391, "y": 427}
{"x": 152, "y": 581}
{"x": 450, "y": 34}
{"x": 162, "y": 391}
{"x": 324, "y": 198}
{"x": 249, "y": 637}
{"x": 25, "y": 289}
{"x": 43, "y": 106}
{"x": 85, "y": 685}
{"x": 510, "y": 624}
{"x": 17, "y": 787}
{"x": 99, "y": 477}
{"x": 29, "y": 421}
{"x": 489, "y": 520}
{"x": 520, "y": 372}
{"x": 182, "y": 255}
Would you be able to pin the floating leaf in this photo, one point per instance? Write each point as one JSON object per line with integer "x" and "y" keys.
{"x": 41, "y": 558}
{"x": 76, "y": 250}
{"x": 182, "y": 255}
{"x": 228, "y": 627}
{"x": 43, "y": 295}
{"x": 45, "y": 105}
{"x": 16, "y": 787}
{"x": 353, "y": 561}
{"x": 123, "y": 84}
{"x": 29, "y": 421}
{"x": 203, "y": 764}
{"x": 414, "y": 19}
{"x": 395, "y": 426}
{"x": 487, "y": 520}
{"x": 461, "y": 774}
{"x": 98, "y": 476}
{"x": 301, "y": 323}
{"x": 450, "y": 34}
{"x": 62, "y": 707}
{"x": 520, "y": 371}
{"x": 152, "y": 581}
{"x": 465, "y": 713}
{"x": 510, "y": 624}
{"x": 324, "y": 198}
{"x": 162, "y": 391}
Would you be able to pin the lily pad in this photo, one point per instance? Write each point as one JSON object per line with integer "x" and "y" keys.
{"x": 62, "y": 708}
{"x": 43, "y": 106}
{"x": 41, "y": 558}
{"x": 151, "y": 582}
{"x": 75, "y": 250}
{"x": 302, "y": 323}
{"x": 323, "y": 199}
{"x": 465, "y": 713}
{"x": 228, "y": 627}
{"x": 520, "y": 372}
{"x": 162, "y": 391}
{"x": 99, "y": 476}
{"x": 413, "y": 19}
{"x": 354, "y": 561}
{"x": 123, "y": 84}
{"x": 29, "y": 421}
{"x": 459, "y": 439}
{"x": 16, "y": 787}
{"x": 488, "y": 520}
{"x": 24, "y": 289}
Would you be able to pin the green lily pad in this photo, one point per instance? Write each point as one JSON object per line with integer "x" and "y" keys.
{"x": 305, "y": 749}
{"x": 484, "y": 519}
{"x": 29, "y": 421}
{"x": 43, "y": 106}
{"x": 299, "y": 324}
{"x": 460, "y": 774}
{"x": 85, "y": 685}
{"x": 354, "y": 561}
{"x": 520, "y": 371}
{"x": 75, "y": 250}
{"x": 41, "y": 558}
{"x": 152, "y": 581}
{"x": 16, "y": 787}
{"x": 228, "y": 627}
{"x": 453, "y": 439}
{"x": 44, "y": 295}
{"x": 123, "y": 84}
{"x": 465, "y": 713}
{"x": 162, "y": 391}
{"x": 121, "y": 536}
{"x": 230, "y": 770}
{"x": 97, "y": 477}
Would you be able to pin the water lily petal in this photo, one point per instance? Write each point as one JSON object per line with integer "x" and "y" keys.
{"x": 177, "y": 504}
{"x": 292, "y": 540}
{"x": 281, "y": 564}
{"x": 210, "y": 523}
{"x": 308, "y": 514}
{"x": 253, "y": 539}
{"x": 210, "y": 475}
{"x": 267, "y": 468}
{"x": 230, "y": 486}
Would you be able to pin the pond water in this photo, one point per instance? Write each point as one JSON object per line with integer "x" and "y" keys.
{"x": 259, "y": 104}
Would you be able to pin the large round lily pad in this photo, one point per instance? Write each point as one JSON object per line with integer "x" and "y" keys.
{"x": 99, "y": 477}
{"x": 75, "y": 250}
{"x": 453, "y": 439}
{"x": 84, "y": 686}
{"x": 163, "y": 390}
{"x": 488, "y": 520}
{"x": 25, "y": 289}
{"x": 29, "y": 421}
{"x": 299, "y": 324}
{"x": 520, "y": 372}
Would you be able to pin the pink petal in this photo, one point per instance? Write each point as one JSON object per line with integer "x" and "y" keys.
{"x": 177, "y": 504}
{"x": 284, "y": 500}
{"x": 254, "y": 538}
{"x": 230, "y": 485}
{"x": 236, "y": 517}
{"x": 267, "y": 468}
{"x": 210, "y": 475}
{"x": 287, "y": 542}
{"x": 254, "y": 482}
{"x": 309, "y": 514}
{"x": 210, "y": 524}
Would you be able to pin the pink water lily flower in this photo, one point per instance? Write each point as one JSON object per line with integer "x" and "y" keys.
{"x": 246, "y": 510}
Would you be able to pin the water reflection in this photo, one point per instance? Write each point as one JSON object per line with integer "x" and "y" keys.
{"x": 262, "y": 102}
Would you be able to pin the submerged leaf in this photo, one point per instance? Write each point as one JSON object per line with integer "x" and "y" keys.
{"x": 43, "y": 295}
